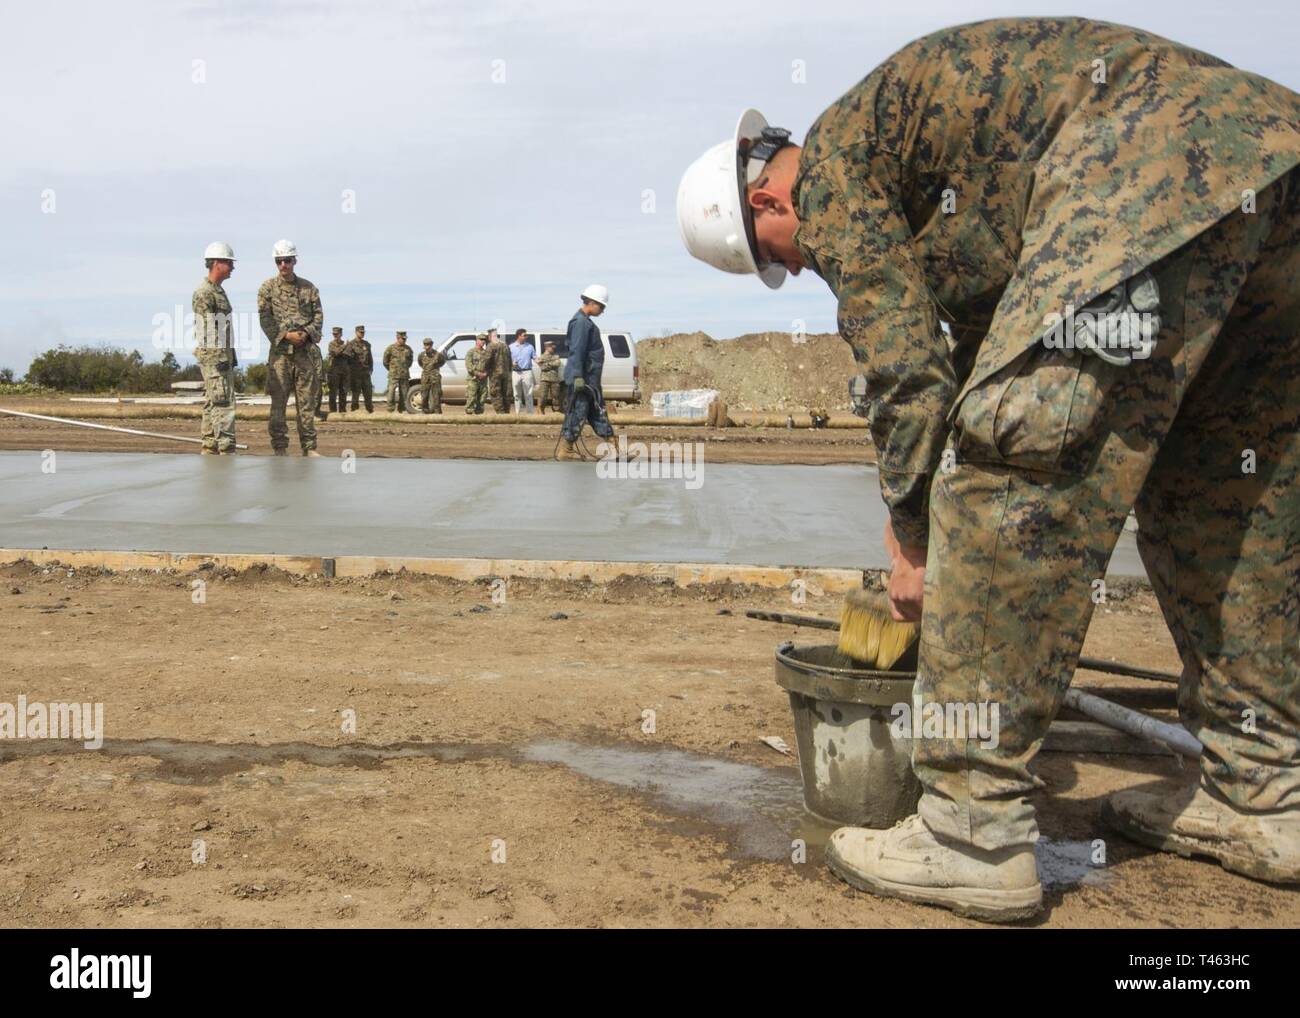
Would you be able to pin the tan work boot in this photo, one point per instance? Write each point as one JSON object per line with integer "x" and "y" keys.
{"x": 567, "y": 451}
{"x": 205, "y": 451}
{"x": 908, "y": 862}
{"x": 312, "y": 453}
{"x": 1193, "y": 821}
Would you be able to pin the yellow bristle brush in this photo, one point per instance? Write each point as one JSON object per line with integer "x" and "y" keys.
{"x": 869, "y": 634}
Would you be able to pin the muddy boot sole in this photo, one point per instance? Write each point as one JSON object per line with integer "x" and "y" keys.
{"x": 1189, "y": 848}
{"x": 970, "y": 902}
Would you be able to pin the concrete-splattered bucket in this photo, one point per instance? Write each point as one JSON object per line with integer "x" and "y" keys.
{"x": 854, "y": 770}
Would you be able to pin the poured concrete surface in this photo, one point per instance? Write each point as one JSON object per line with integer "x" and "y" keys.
{"x": 741, "y": 514}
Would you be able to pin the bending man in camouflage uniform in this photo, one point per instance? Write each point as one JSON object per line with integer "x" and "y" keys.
{"x": 291, "y": 315}
{"x": 431, "y": 361}
{"x": 397, "y": 362}
{"x": 215, "y": 351}
{"x": 549, "y": 387}
{"x": 477, "y": 377}
{"x": 997, "y": 177}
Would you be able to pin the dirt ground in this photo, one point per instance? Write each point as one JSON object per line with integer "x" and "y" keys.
{"x": 774, "y": 371}
{"x": 502, "y": 770}
{"x": 420, "y": 436}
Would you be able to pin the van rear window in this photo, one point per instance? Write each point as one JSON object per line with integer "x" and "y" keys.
{"x": 618, "y": 344}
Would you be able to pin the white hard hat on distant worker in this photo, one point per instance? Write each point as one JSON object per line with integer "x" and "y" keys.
{"x": 598, "y": 293}
{"x": 220, "y": 251}
{"x": 284, "y": 249}
{"x": 714, "y": 217}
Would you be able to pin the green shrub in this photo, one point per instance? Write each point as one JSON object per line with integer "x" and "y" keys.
{"x": 21, "y": 389}
{"x": 102, "y": 369}
{"x": 254, "y": 378}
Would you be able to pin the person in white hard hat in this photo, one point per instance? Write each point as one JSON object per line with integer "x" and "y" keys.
{"x": 582, "y": 373}
{"x": 214, "y": 349}
{"x": 734, "y": 206}
{"x": 292, "y": 317}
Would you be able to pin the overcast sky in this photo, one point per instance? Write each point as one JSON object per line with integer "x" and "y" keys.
{"x": 501, "y": 156}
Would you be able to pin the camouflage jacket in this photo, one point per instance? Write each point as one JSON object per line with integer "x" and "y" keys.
{"x": 478, "y": 360}
{"x": 429, "y": 365}
{"x": 358, "y": 350}
{"x": 397, "y": 359}
{"x": 285, "y": 307}
{"x": 336, "y": 350}
{"x": 499, "y": 358}
{"x": 212, "y": 324}
{"x": 549, "y": 364}
{"x": 990, "y": 174}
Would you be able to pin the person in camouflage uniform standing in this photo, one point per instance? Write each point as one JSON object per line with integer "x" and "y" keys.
{"x": 339, "y": 371}
{"x": 431, "y": 361}
{"x": 215, "y": 350}
{"x": 362, "y": 365}
{"x": 1109, "y": 223}
{"x": 499, "y": 373}
{"x": 290, "y": 312}
{"x": 477, "y": 375}
{"x": 397, "y": 362}
{"x": 549, "y": 365}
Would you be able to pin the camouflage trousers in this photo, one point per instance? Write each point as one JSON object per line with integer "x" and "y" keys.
{"x": 549, "y": 393}
{"x": 431, "y": 395}
{"x": 294, "y": 370}
{"x": 397, "y": 394}
{"x": 500, "y": 391}
{"x": 340, "y": 374}
{"x": 475, "y": 394}
{"x": 218, "y": 368}
{"x": 362, "y": 386}
{"x": 1202, "y": 438}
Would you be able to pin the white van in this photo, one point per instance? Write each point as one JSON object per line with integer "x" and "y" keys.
{"x": 620, "y": 378}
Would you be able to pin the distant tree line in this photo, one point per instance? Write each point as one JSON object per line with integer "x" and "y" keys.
{"x": 111, "y": 369}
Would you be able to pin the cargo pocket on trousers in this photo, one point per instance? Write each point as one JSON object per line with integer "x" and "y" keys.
{"x": 1040, "y": 412}
{"x": 219, "y": 386}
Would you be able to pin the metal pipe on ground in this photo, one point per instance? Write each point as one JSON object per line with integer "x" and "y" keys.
{"x": 1134, "y": 722}
{"x": 107, "y": 427}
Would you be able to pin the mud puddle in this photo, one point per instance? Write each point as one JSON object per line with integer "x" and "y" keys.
{"x": 761, "y": 807}
{"x": 758, "y": 810}
{"x": 1067, "y": 864}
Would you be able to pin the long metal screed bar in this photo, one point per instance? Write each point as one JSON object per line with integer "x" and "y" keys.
{"x": 107, "y": 427}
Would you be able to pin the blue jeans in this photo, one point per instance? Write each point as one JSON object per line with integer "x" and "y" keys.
{"x": 586, "y": 407}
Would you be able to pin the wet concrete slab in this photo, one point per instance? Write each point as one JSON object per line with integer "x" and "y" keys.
{"x": 766, "y": 515}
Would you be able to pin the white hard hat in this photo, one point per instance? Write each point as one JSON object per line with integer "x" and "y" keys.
{"x": 219, "y": 249}
{"x": 713, "y": 215}
{"x": 598, "y": 293}
{"x": 284, "y": 249}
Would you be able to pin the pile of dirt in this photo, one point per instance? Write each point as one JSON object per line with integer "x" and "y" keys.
{"x": 767, "y": 371}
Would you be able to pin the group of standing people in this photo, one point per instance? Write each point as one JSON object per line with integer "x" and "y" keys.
{"x": 290, "y": 314}
{"x": 504, "y": 374}
{"x": 350, "y": 365}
